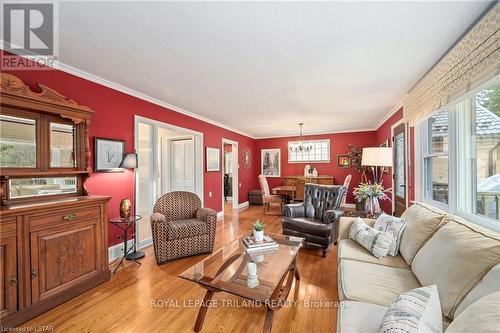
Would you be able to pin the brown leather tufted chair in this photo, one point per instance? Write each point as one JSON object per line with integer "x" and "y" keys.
{"x": 181, "y": 227}
{"x": 317, "y": 218}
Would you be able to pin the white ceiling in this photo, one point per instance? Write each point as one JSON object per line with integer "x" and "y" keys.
{"x": 261, "y": 67}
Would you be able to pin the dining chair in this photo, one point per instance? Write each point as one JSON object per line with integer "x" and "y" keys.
{"x": 267, "y": 197}
{"x": 347, "y": 181}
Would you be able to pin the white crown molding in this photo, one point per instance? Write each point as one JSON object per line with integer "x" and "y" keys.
{"x": 317, "y": 133}
{"x": 118, "y": 87}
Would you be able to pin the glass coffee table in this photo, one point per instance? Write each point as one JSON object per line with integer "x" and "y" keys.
{"x": 265, "y": 277}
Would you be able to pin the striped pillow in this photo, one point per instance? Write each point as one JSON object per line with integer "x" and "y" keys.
{"x": 386, "y": 223}
{"x": 377, "y": 242}
{"x": 414, "y": 311}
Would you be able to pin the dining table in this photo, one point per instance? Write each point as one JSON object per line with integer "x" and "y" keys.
{"x": 286, "y": 192}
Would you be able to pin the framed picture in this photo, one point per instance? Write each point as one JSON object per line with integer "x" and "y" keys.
{"x": 108, "y": 154}
{"x": 385, "y": 143}
{"x": 343, "y": 161}
{"x": 270, "y": 162}
{"x": 212, "y": 156}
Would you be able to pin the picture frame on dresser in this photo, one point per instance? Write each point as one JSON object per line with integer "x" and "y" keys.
{"x": 108, "y": 154}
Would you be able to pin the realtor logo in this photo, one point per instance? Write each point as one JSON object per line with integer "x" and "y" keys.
{"x": 29, "y": 29}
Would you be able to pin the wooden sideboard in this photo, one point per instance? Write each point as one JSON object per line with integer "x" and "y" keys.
{"x": 50, "y": 252}
{"x": 300, "y": 181}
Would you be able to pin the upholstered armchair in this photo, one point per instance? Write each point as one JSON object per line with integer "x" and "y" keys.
{"x": 317, "y": 218}
{"x": 181, "y": 227}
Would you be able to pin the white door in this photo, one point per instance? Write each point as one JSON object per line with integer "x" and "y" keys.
{"x": 182, "y": 165}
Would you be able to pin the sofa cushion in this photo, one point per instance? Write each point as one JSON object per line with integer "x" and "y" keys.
{"x": 349, "y": 249}
{"x": 416, "y": 311}
{"x": 372, "y": 283}
{"x": 359, "y": 317}
{"x": 488, "y": 285}
{"x": 375, "y": 241}
{"x": 455, "y": 259}
{"x": 482, "y": 316}
{"x": 185, "y": 228}
{"x": 394, "y": 224}
{"x": 307, "y": 226}
{"x": 422, "y": 221}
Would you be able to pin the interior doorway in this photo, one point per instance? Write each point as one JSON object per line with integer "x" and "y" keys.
{"x": 230, "y": 181}
{"x": 170, "y": 158}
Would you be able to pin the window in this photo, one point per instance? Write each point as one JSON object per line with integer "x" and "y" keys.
{"x": 62, "y": 145}
{"x": 436, "y": 158}
{"x": 460, "y": 150}
{"x": 483, "y": 122}
{"x": 319, "y": 152}
{"x": 17, "y": 142}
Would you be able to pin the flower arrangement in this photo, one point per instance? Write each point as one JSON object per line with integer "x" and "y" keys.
{"x": 369, "y": 190}
{"x": 258, "y": 230}
{"x": 371, "y": 194}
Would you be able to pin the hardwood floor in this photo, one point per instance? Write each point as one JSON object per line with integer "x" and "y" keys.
{"x": 151, "y": 298}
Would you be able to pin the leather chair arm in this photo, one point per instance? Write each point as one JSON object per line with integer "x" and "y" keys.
{"x": 294, "y": 210}
{"x": 333, "y": 215}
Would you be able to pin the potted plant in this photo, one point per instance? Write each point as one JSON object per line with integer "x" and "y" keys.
{"x": 371, "y": 194}
{"x": 258, "y": 230}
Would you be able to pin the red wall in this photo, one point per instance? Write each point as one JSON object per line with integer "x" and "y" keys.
{"x": 114, "y": 118}
{"x": 384, "y": 133}
{"x": 339, "y": 144}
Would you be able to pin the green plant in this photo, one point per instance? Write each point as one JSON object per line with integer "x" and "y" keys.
{"x": 258, "y": 225}
{"x": 369, "y": 190}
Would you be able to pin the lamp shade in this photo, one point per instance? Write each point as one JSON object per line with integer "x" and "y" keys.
{"x": 129, "y": 161}
{"x": 377, "y": 156}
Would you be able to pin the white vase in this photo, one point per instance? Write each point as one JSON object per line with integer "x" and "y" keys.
{"x": 258, "y": 235}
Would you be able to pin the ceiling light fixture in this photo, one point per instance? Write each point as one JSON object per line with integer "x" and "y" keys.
{"x": 300, "y": 147}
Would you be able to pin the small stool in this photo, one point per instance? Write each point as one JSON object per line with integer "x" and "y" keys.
{"x": 255, "y": 197}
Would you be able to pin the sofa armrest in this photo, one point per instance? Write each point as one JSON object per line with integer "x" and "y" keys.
{"x": 206, "y": 215}
{"x": 345, "y": 225}
{"x": 333, "y": 215}
{"x": 294, "y": 210}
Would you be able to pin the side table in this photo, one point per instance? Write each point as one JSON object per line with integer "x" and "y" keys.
{"x": 125, "y": 224}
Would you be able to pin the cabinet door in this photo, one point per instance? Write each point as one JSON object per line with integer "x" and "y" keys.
{"x": 62, "y": 257}
{"x": 299, "y": 188}
{"x": 8, "y": 270}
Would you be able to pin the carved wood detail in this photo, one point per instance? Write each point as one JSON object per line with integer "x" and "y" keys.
{"x": 14, "y": 85}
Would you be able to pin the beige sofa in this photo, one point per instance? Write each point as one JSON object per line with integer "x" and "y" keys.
{"x": 461, "y": 258}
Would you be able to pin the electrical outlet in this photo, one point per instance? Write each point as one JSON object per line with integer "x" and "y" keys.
{"x": 239, "y": 184}
{"x": 209, "y": 194}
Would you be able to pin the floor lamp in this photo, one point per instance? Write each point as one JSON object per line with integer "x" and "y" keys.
{"x": 378, "y": 158}
{"x": 130, "y": 162}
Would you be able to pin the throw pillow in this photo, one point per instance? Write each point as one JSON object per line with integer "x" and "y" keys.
{"x": 377, "y": 242}
{"x": 414, "y": 311}
{"x": 387, "y": 223}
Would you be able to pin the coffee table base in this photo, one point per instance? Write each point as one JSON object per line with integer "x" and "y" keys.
{"x": 276, "y": 301}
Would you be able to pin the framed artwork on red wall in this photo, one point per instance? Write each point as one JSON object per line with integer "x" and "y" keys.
{"x": 343, "y": 161}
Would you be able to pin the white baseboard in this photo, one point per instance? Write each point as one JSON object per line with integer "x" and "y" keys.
{"x": 220, "y": 214}
{"x": 243, "y": 204}
{"x": 117, "y": 250}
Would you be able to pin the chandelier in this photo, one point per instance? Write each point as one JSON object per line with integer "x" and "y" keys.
{"x": 300, "y": 147}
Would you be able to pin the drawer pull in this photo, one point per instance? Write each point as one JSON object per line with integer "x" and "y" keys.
{"x": 13, "y": 279}
{"x": 69, "y": 217}
{"x": 34, "y": 274}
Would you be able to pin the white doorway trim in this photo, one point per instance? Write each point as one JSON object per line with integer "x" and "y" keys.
{"x": 199, "y": 180}
{"x": 234, "y": 173}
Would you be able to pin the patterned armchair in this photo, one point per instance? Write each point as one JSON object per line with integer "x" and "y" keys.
{"x": 181, "y": 227}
